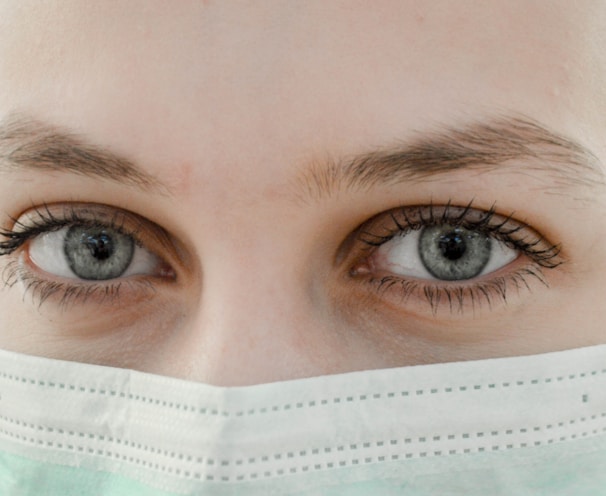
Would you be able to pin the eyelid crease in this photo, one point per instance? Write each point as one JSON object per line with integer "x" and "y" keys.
{"x": 74, "y": 292}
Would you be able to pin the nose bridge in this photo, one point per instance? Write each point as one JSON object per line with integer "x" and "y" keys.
{"x": 256, "y": 320}
{"x": 258, "y": 293}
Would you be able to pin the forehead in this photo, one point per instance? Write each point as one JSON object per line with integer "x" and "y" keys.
{"x": 244, "y": 84}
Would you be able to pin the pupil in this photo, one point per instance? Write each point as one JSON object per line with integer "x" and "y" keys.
{"x": 97, "y": 254}
{"x": 452, "y": 253}
{"x": 452, "y": 246}
{"x": 100, "y": 246}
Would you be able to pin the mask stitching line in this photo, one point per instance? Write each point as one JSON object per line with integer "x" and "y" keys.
{"x": 302, "y": 453}
{"x": 300, "y": 405}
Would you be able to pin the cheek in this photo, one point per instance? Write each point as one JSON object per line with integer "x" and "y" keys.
{"x": 390, "y": 334}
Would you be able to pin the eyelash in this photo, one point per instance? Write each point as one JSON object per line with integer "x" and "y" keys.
{"x": 45, "y": 221}
{"x": 514, "y": 234}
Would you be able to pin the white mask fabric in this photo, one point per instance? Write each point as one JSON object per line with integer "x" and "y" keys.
{"x": 529, "y": 425}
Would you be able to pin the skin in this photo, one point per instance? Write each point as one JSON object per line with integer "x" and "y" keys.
{"x": 228, "y": 104}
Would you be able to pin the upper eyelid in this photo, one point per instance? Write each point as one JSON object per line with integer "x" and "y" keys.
{"x": 46, "y": 218}
{"x": 417, "y": 216}
{"x": 40, "y": 220}
{"x": 546, "y": 253}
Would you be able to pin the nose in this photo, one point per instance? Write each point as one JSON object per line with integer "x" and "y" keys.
{"x": 260, "y": 318}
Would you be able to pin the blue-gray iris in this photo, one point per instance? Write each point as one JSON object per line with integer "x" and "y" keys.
{"x": 98, "y": 253}
{"x": 453, "y": 253}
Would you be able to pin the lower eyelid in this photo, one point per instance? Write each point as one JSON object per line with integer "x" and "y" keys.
{"x": 41, "y": 288}
{"x": 454, "y": 298}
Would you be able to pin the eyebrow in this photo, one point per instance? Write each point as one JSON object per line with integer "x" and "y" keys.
{"x": 26, "y": 143}
{"x": 486, "y": 146}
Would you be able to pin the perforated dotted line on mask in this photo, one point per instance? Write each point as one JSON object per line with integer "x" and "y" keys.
{"x": 189, "y": 408}
{"x": 295, "y": 456}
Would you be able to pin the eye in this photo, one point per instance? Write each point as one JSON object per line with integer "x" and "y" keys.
{"x": 443, "y": 252}
{"x": 458, "y": 256}
{"x": 91, "y": 253}
{"x": 78, "y": 253}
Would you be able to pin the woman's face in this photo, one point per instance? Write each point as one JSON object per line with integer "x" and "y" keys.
{"x": 239, "y": 193}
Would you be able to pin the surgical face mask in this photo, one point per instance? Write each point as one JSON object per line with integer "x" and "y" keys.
{"x": 509, "y": 426}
